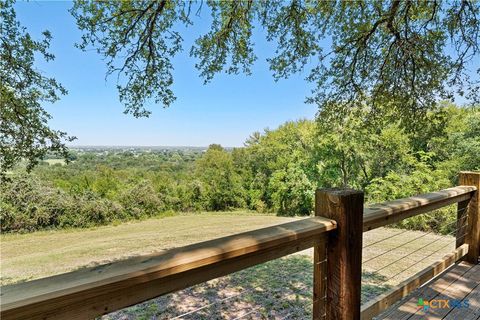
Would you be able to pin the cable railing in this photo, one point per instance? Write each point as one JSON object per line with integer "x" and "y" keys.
{"x": 412, "y": 258}
{"x": 402, "y": 273}
{"x": 403, "y": 244}
{"x": 336, "y": 234}
{"x": 91, "y": 292}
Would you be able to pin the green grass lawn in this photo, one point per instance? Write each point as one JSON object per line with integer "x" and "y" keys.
{"x": 279, "y": 289}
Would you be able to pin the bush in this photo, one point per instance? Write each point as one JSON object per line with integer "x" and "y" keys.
{"x": 141, "y": 200}
{"x": 421, "y": 180}
{"x": 29, "y": 205}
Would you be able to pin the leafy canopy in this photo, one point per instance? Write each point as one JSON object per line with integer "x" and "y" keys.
{"x": 24, "y": 131}
{"x": 399, "y": 57}
{"x": 277, "y": 171}
{"x": 404, "y": 54}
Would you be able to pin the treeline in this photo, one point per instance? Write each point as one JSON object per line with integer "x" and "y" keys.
{"x": 277, "y": 171}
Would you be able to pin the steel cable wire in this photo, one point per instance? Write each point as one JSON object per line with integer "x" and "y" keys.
{"x": 405, "y": 243}
{"x": 416, "y": 250}
{"x": 403, "y": 257}
{"x": 417, "y": 262}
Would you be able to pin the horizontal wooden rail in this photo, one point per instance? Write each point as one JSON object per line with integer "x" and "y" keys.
{"x": 468, "y": 233}
{"x": 385, "y": 213}
{"x": 374, "y": 307}
{"x": 95, "y": 291}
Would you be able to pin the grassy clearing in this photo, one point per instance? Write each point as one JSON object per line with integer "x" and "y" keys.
{"x": 44, "y": 253}
{"x": 55, "y": 161}
{"x": 279, "y": 289}
{"x": 282, "y": 289}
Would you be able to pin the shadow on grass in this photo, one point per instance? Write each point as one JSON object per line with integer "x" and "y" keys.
{"x": 373, "y": 285}
{"x": 279, "y": 289}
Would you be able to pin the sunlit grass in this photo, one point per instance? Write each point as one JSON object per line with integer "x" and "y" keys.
{"x": 277, "y": 289}
{"x": 44, "y": 253}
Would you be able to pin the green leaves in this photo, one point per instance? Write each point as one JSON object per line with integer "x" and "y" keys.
{"x": 138, "y": 40}
{"x": 291, "y": 191}
{"x": 398, "y": 57}
{"x": 229, "y": 38}
{"x": 398, "y": 54}
{"x": 277, "y": 171}
{"x": 223, "y": 187}
{"x": 24, "y": 132}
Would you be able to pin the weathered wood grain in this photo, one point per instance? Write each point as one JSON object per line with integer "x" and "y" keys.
{"x": 405, "y": 309}
{"x": 473, "y": 310}
{"x": 319, "y": 277}
{"x": 344, "y": 251}
{"x": 457, "y": 291}
{"x": 473, "y": 212}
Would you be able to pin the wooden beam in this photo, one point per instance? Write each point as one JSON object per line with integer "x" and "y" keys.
{"x": 99, "y": 290}
{"x": 472, "y": 237}
{"x": 385, "y": 213}
{"x": 384, "y": 301}
{"x": 344, "y": 251}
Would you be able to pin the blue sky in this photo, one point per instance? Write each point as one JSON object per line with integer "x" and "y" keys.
{"x": 225, "y": 111}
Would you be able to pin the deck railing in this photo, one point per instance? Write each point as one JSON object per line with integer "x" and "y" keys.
{"x": 466, "y": 227}
{"x": 99, "y": 290}
{"x": 335, "y": 233}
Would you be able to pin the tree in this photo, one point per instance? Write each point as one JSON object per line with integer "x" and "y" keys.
{"x": 223, "y": 186}
{"x": 459, "y": 148}
{"x": 292, "y": 192}
{"x": 356, "y": 151}
{"x": 272, "y": 153}
{"x": 400, "y": 54}
{"x": 24, "y": 132}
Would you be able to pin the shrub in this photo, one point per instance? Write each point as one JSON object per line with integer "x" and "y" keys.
{"x": 28, "y": 205}
{"x": 141, "y": 200}
{"x": 421, "y": 180}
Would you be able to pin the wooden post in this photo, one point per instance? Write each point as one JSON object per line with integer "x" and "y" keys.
{"x": 470, "y": 233}
{"x": 344, "y": 254}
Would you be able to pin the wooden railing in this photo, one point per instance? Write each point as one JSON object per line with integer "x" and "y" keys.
{"x": 335, "y": 233}
{"x": 95, "y": 291}
{"x": 467, "y": 226}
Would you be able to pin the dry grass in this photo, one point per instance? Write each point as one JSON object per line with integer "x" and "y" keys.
{"x": 282, "y": 289}
{"x": 279, "y": 289}
{"x": 55, "y": 161}
{"x": 45, "y": 253}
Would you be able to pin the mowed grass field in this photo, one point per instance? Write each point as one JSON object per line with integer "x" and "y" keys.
{"x": 279, "y": 289}
{"x": 40, "y": 254}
